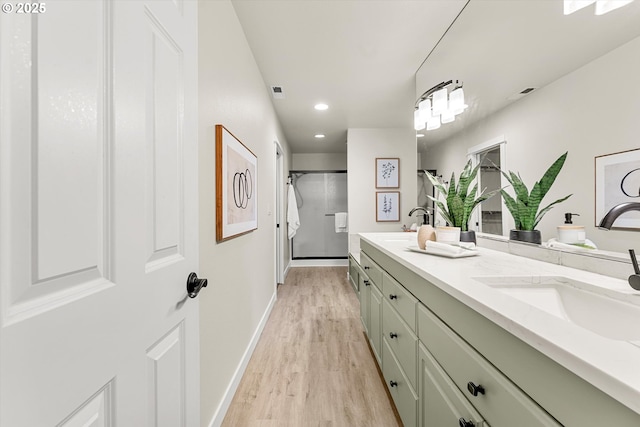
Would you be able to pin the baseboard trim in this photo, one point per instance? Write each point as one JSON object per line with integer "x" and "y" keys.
{"x": 220, "y": 413}
{"x": 319, "y": 262}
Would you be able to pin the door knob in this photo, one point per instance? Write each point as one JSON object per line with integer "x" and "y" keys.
{"x": 194, "y": 285}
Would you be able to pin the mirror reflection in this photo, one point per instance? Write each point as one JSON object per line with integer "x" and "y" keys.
{"x": 544, "y": 83}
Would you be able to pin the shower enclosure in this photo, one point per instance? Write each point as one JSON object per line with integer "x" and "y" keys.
{"x": 319, "y": 195}
{"x": 426, "y": 189}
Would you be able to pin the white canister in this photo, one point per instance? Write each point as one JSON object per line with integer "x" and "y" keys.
{"x": 448, "y": 234}
{"x": 571, "y": 234}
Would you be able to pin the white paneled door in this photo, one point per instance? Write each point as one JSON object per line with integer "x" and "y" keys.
{"x": 98, "y": 214}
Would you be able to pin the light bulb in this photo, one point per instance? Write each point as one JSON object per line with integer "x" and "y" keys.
{"x": 447, "y": 116}
{"x": 439, "y": 101}
{"x": 424, "y": 107}
{"x": 433, "y": 122}
{"x": 418, "y": 123}
{"x": 456, "y": 101}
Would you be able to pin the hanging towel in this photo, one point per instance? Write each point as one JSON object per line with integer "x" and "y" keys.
{"x": 293, "y": 220}
{"x": 341, "y": 222}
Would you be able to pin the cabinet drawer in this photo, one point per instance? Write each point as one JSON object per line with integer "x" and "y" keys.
{"x": 375, "y": 322}
{"x": 401, "y": 340}
{"x": 400, "y": 299}
{"x": 501, "y": 403}
{"x": 441, "y": 403}
{"x": 353, "y": 273}
{"x": 372, "y": 270}
{"x": 403, "y": 394}
{"x": 365, "y": 300}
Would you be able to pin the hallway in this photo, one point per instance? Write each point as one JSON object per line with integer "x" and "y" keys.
{"x": 312, "y": 365}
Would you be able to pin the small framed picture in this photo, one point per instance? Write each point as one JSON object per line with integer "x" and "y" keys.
{"x": 618, "y": 181}
{"x": 387, "y": 206}
{"x": 388, "y": 172}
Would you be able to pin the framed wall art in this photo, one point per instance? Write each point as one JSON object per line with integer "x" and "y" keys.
{"x": 236, "y": 187}
{"x": 387, "y": 206}
{"x": 388, "y": 172}
{"x": 618, "y": 181}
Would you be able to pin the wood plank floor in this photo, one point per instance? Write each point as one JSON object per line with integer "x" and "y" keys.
{"x": 312, "y": 365}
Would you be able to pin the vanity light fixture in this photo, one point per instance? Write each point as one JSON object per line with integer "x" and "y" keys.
{"x": 319, "y": 135}
{"x": 602, "y": 6}
{"x": 321, "y": 107}
{"x": 438, "y": 105}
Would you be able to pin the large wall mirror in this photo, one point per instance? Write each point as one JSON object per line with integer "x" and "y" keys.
{"x": 547, "y": 83}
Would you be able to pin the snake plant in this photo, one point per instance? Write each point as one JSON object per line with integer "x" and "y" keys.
{"x": 460, "y": 202}
{"x": 525, "y": 206}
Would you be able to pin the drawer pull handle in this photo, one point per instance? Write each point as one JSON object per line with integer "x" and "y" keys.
{"x": 393, "y": 335}
{"x": 393, "y": 384}
{"x": 366, "y": 283}
{"x": 464, "y": 423}
{"x": 366, "y": 267}
{"x": 475, "y": 389}
{"x": 391, "y": 296}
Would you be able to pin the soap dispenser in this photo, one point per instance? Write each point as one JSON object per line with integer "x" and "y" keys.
{"x": 569, "y": 233}
{"x": 425, "y": 232}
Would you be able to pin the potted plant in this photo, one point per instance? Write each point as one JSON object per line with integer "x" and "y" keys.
{"x": 459, "y": 201}
{"x": 525, "y": 208}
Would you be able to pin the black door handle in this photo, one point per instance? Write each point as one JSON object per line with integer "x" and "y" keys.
{"x": 194, "y": 285}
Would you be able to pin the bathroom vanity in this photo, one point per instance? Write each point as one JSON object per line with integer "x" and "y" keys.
{"x": 498, "y": 339}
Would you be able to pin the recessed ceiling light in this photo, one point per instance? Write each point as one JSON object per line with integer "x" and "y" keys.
{"x": 321, "y": 107}
{"x": 319, "y": 135}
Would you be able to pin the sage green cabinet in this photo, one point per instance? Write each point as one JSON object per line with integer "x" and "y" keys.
{"x": 492, "y": 394}
{"x": 365, "y": 301}
{"x": 354, "y": 273}
{"x": 441, "y": 402}
{"x": 457, "y": 351}
{"x": 375, "y": 322}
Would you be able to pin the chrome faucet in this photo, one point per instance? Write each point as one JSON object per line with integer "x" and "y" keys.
{"x": 425, "y": 213}
{"x": 607, "y": 223}
{"x": 615, "y": 212}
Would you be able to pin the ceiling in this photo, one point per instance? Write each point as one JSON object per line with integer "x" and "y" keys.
{"x": 357, "y": 56}
{"x": 361, "y": 57}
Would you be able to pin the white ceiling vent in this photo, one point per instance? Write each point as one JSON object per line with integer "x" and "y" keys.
{"x": 277, "y": 92}
{"x": 521, "y": 94}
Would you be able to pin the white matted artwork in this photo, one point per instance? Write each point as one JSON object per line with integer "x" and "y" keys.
{"x": 387, "y": 206}
{"x": 618, "y": 181}
{"x": 388, "y": 172}
{"x": 236, "y": 186}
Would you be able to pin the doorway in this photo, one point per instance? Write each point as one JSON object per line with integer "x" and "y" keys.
{"x": 489, "y": 218}
{"x": 280, "y": 222}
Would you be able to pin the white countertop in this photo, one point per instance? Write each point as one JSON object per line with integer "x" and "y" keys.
{"x": 612, "y": 366}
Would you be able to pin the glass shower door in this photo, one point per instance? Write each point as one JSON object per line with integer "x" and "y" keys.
{"x": 320, "y": 195}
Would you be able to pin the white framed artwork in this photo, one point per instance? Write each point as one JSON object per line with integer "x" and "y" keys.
{"x": 388, "y": 172}
{"x": 617, "y": 177}
{"x": 387, "y": 206}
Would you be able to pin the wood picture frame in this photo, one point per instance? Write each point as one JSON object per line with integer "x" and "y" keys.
{"x": 617, "y": 180}
{"x": 387, "y": 206}
{"x": 387, "y": 172}
{"x": 236, "y": 186}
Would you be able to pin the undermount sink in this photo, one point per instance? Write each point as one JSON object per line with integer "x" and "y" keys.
{"x": 608, "y": 313}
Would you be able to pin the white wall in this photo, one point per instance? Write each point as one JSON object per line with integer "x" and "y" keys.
{"x": 319, "y": 161}
{"x": 363, "y": 146}
{"x": 241, "y": 271}
{"x": 592, "y": 111}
